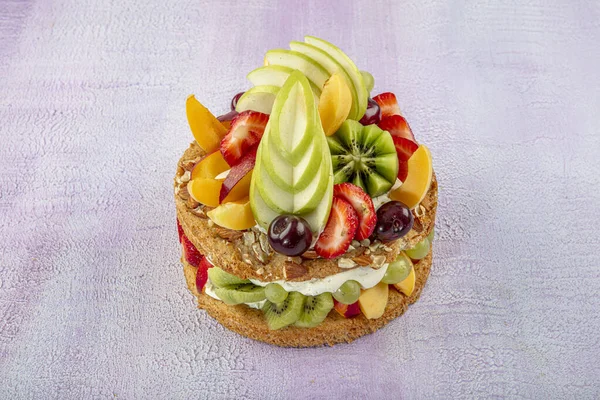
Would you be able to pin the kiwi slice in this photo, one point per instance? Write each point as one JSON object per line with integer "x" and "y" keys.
{"x": 365, "y": 156}
{"x": 220, "y": 278}
{"x": 241, "y": 293}
{"x": 315, "y": 310}
{"x": 286, "y": 313}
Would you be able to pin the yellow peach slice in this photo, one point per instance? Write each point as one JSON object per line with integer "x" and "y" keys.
{"x": 415, "y": 187}
{"x": 205, "y": 191}
{"x": 407, "y": 286}
{"x": 240, "y": 190}
{"x": 236, "y": 215}
{"x": 372, "y": 301}
{"x": 210, "y": 166}
{"x": 207, "y": 129}
{"x": 335, "y": 103}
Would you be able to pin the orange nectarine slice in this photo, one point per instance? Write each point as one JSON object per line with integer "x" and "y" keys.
{"x": 236, "y": 215}
{"x": 372, "y": 301}
{"x": 335, "y": 103}
{"x": 206, "y": 128}
{"x": 415, "y": 187}
{"x": 205, "y": 191}
{"x": 210, "y": 166}
{"x": 407, "y": 286}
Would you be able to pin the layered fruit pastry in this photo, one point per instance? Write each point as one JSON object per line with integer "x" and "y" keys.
{"x": 306, "y": 213}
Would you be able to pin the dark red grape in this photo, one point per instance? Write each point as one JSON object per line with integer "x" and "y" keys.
{"x": 290, "y": 235}
{"x": 372, "y": 115}
{"x": 394, "y": 220}
{"x": 235, "y": 100}
{"x": 228, "y": 117}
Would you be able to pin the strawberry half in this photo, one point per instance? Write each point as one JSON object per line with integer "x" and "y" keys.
{"x": 191, "y": 253}
{"x": 339, "y": 231}
{"x": 245, "y": 132}
{"x": 362, "y": 204}
{"x": 397, "y": 126}
{"x": 388, "y": 104}
{"x": 404, "y": 148}
{"x": 202, "y": 273}
{"x": 179, "y": 230}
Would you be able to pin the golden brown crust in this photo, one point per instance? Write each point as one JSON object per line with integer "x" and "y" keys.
{"x": 335, "y": 329}
{"x": 226, "y": 254}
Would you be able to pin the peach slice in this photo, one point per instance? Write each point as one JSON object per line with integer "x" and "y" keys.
{"x": 239, "y": 190}
{"x": 415, "y": 187}
{"x": 335, "y": 103}
{"x": 407, "y": 286}
{"x": 210, "y": 166}
{"x": 346, "y": 310}
{"x": 372, "y": 301}
{"x": 205, "y": 191}
{"x": 206, "y": 128}
{"x": 236, "y": 215}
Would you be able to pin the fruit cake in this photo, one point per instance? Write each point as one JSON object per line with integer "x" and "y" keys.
{"x": 306, "y": 213}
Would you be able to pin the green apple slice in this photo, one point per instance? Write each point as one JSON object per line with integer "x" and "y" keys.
{"x": 275, "y": 75}
{"x": 292, "y": 59}
{"x": 332, "y": 66}
{"x": 349, "y": 66}
{"x": 368, "y": 80}
{"x": 263, "y": 214}
{"x": 286, "y": 176}
{"x": 259, "y": 98}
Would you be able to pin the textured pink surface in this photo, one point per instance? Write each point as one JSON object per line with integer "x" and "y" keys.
{"x": 92, "y": 122}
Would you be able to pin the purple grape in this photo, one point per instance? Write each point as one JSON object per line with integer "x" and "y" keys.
{"x": 228, "y": 117}
{"x": 289, "y": 235}
{"x": 394, "y": 220}
{"x": 372, "y": 115}
{"x": 235, "y": 100}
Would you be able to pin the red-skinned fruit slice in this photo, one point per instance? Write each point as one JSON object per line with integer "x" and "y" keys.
{"x": 245, "y": 132}
{"x": 346, "y": 310}
{"x": 397, "y": 126}
{"x": 202, "y": 273}
{"x": 404, "y": 148}
{"x": 388, "y": 104}
{"x": 191, "y": 254}
{"x": 179, "y": 231}
{"x": 362, "y": 204}
{"x": 237, "y": 184}
{"x": 339, "y": 231}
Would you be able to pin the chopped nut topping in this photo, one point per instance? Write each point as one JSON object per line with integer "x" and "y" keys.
{"x": 260, "y": 271}
{"x": 264, "y": 244}
{"x": 363, "y": 260}
{"x": 227, "y": 234}
{"x": 355, "y": 243}
{"x": 259, "y": 253}
{"x": 185, "y": 178}
{"x": 191, "y": 203}
{"x": 310, "y": 255}
{"x": 249, "y": 238}
{"x": 365, "y": 242}
{"x": 292, "y": 270}
{"x": 346, "y": 263}
{"x": 199, "y": 211}
{"x": 378, "y": 261}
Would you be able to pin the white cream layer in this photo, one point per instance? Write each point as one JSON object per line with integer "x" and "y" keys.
{"x": 367, "y": 277}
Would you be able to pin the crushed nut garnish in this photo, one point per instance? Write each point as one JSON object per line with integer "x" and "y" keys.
{"x": 199, "y": 211}
{"x": 188, "y": 165}
{"x": 246, "y": 258}
{"x": 185, "y": 178}
{"x": 259, "y": 253}
{"x": 260, "y": 271}
{"x": 297, "y": 260}
{"x": 355, "y": 243}
{"x": 292, "y": 270}
{"x": 350, "y": 248}
{"x": 249, "y": 238}
{"x": 417, "y": 225}
{"x": 264, "y": 244}
{"x": 362, "y": 260}
{"x": 386, "y": 249}
{"x": 365, "y": 242}
{"x": 191, "y": 203}
{"x": 183, "y": 192}
{"x": 310, "y": 255}
{"x": 228, "y": 234}
{"x": 346, "y": 263}
{"x": 378, "y": 261}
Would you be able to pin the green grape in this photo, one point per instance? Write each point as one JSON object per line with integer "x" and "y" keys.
{"x": 430, "y": 236}
{"x": 419, "y": 251}
{"x": 348, "y": 293}
{"x": 275, "y": 293}
{"x": 398, "y": 270}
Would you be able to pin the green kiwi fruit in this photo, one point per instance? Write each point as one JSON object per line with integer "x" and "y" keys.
{"x": 285, "y": 313}
{"x": 315, "y": 310}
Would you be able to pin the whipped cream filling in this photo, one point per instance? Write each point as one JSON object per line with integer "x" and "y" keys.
{"x": 367, "y": 277}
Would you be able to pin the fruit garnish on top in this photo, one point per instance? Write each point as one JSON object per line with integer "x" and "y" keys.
{"x": 304, "y": 152}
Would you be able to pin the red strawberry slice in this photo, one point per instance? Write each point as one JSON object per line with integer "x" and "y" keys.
{"x": 245, "y": 132}
{"x": 202, "y": 273}
{"x": 388, "y": 104}
{"x": 339, "y": 231}
{"x": 404, "y": 148}
{"x": 191, "y": 253}
{"x": 179, "y": 231}
{"x": 397, "y": 126}
{"x": 362, "y": 204}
